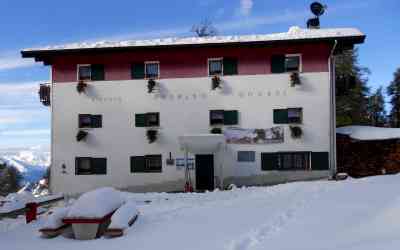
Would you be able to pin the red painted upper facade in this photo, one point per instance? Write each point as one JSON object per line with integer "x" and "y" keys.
{"x": 191, "y": 62}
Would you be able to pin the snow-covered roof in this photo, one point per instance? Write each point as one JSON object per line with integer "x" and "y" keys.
{"x": 294, "y": 33}
{"x": 368, "y": 133}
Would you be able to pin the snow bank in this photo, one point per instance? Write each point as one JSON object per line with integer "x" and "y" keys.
{"x": 369, "y": 133}
{"x": 96, "y": 204}
{"x": 294, "y": 33}
{"x": 15, "y": 201}
{"x": 54, "y": 220}
{"x": 355, "y": 214}
{"x": 123, "y": 215}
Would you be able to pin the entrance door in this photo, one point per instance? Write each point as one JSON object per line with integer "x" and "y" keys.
{"x": 204, "y": 172}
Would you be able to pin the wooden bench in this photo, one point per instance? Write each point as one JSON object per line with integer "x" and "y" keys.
{"x": 88, "y": 228}
{"x": 118, "y": 232}
{"x": 53, "y": 232}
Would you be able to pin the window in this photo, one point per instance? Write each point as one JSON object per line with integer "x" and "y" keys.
{"x": 294, "y": 161}
{"x": 246, "y": 156}
{"x": 215, "y": 67}
{"x": 147, "y": 120}
{"x": 286, "y": 63}
{"x": 288, "y": 116}
{"x": 90, "y": 166}
{"x": 216, "y": 117}
{"x": 285, "y": 161}
{"x": 152, "y": 119}
{"x": 295, "y": 115}
{"x": 224, "y": 117}
{"x": 152, "y": 70}
{"x": 146, "y": 164}
{"x": 292, "y": 63}
{"x": 84, "y": 72}
{"x": 90, "y": 121}
{"x": 91, "y": 72}
{"x": 222, "y": 66}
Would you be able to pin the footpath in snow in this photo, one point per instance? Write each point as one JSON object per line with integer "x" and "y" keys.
{"x": 359, "y": 214}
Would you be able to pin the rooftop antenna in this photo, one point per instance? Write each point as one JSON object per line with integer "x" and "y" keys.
{"x": 318, "y": 10}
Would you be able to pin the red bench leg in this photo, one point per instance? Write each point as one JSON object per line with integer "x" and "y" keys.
{"x": 31, "y": 212}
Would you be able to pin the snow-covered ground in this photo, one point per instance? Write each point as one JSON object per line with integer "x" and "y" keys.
{"x": 359, "y": 214}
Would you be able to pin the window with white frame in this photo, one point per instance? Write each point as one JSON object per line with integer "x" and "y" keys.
{"x": 215, "y": 66}
{"x": 293, "y": 63}
{"x": 152, "y": 70}
{"x": 91, "y": 72}
{"x": 84, "y": 72}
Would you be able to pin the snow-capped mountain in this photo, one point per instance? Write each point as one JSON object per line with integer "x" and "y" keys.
{"x": 31, "y": 163}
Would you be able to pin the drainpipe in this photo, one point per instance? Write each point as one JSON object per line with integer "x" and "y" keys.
{"x": 332, "y": 75}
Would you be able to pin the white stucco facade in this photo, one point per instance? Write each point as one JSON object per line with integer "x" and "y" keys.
{"x": 183, "y": 105}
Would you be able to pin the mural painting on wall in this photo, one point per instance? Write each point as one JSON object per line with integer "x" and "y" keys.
{"x": 254, "y": 136}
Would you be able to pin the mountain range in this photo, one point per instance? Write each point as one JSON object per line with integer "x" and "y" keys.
{"x": 32, "y": 163}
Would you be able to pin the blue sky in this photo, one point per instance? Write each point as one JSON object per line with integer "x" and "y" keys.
{"x": 23, "y": 24}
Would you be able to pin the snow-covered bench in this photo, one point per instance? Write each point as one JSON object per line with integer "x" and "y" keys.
{"x": 91, "y": 213}
{"x": 54, "y": 225}
{"x": 123, "y": 218}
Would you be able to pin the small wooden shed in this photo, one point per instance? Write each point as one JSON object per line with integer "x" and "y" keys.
{"x": 366, "y": 151}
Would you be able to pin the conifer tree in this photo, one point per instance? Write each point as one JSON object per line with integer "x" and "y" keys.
{"x": 376, "y": 108}
{"x": 351, "y": 90}
{"x": 9, "y": 180}
{"x": 393, "y": 91}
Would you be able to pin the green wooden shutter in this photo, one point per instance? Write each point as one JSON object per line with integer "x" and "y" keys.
{"x": 137, "y": 71}
{"x": 140, "y": 120}
{"x": 280, "y": 116}
{"x": 99, "y": 166}
{"x": 231, "y": 117}
{"x": 320, "y": 161}
{"x": 138, "y": 164}
{"x": 278, "y": 64}
{"x": 269, "y": 161}
{"x": 230, "y": 66}
{"x": 97, "y": 72}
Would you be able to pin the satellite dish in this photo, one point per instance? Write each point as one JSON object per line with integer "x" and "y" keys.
{"x": 317, "y": 8}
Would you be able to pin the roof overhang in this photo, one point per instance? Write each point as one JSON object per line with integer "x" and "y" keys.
{"x": 45, "y": 55}
{"x": 202, "y": 143}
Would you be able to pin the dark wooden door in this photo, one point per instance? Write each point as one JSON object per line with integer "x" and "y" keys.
{"x": 204, "y": 172}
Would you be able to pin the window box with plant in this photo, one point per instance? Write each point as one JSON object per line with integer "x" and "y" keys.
{"x": 218, "y": 67}
{"x": 87, "y": 121}
{"x": 291, "y": 63}
{"x": 151, "y": 121}
{"x": 149, "y": 71}
{"x": 89, "y": 72}
{"x": 296, "y": 132}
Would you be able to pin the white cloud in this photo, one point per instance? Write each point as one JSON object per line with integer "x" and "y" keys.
{"x": 24, "y": 87}
{"x": 245, "y": 7}
{"x": 8, "y": 120}
{"x": 9, "y": 61}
